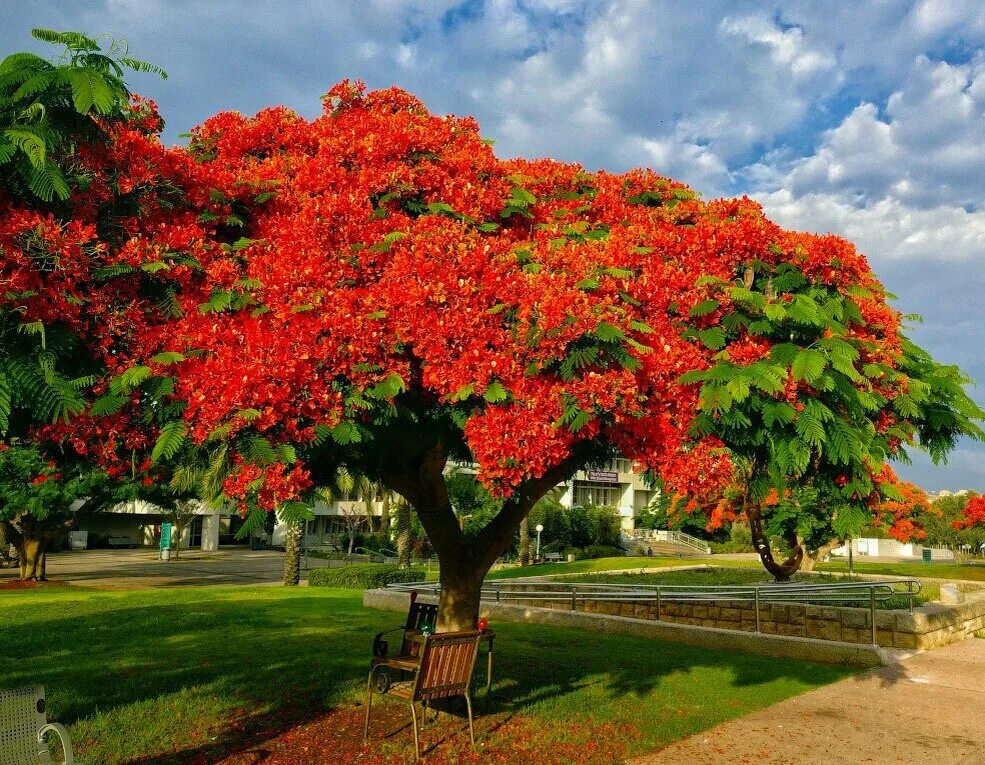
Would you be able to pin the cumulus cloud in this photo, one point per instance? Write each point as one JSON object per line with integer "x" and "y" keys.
{"x": 922, "y": 147}
{"x": 865, "y": 119}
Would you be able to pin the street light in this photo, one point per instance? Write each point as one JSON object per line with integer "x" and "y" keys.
{"x": 540, "y": 528}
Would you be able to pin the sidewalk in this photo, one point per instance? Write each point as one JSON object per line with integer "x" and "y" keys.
{"x": 142, "y": 569}
{"x": 928, "y": 709}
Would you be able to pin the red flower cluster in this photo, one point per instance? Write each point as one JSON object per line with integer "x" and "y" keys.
{"x": 298, "y": 273}
{"x": 974, "y": 514}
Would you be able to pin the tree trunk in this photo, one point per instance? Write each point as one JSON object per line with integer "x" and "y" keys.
{"x": 524, "y": 543}
{"x": 464, "y": 561}
{"x": 760, "y": 541}
{"x": 461, "y": 591}
{"x": 811, "y": 559}
{"x": 293, "y": 539}
{"x": 32, "y": 555}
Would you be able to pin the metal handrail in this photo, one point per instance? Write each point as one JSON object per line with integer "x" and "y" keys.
{"x": 865, "y": 593}
{"x": 670, "y": 536}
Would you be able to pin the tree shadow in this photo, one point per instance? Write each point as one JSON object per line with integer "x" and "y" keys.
{"x": 287, "y": 660}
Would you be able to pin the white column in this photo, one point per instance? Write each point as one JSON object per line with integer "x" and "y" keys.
{"x": 568, "y": 498}
{"x": 210, "y": 532}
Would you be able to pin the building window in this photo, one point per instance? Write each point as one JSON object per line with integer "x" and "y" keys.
{"x": 597, "y": 493}
{"x": 620, "y": 465}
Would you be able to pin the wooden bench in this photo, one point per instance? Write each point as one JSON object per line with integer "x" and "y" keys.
{"x": 553, "y": 557}
{"x": 115, "y": 542}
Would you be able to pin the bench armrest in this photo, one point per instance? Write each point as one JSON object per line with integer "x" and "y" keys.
{"x": 58, "y": 730}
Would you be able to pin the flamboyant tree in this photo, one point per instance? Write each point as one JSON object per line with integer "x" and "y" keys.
{"x": 375, "y": 290}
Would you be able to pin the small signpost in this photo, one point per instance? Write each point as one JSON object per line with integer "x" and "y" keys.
{"x": 166, "y": 529}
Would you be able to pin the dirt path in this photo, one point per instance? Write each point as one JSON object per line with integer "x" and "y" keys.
{"x": 928, "y": 709}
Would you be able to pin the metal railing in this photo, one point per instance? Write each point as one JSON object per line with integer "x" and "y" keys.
{"x": 864, "y": 594}
{"x": 670, "y": 537}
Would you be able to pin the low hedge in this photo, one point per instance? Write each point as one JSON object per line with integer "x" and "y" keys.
{"x": 600, "y": 551}
{"x": 363, "y": 576}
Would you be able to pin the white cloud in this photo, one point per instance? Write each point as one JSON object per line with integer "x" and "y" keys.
{"x": 926, "y": 147}
{"x": 886, "y": 229}
{"x": 788, "y": 47}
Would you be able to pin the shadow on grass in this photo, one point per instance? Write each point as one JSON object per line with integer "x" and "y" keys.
{"x": 212, "y": 672}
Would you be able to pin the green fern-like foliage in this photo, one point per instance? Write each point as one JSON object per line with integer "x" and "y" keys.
{"x": 817, "y": 450}
{"x": 44, "y": 372}
{"x": 48, "y": 106}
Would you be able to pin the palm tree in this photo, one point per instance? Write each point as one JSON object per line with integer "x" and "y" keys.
{"x": 524, "y": 542}
{"x": 293, "y": 546}
{"x": 403, "y": 526}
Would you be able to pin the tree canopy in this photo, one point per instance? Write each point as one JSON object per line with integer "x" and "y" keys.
{"x": 374, "y": 289}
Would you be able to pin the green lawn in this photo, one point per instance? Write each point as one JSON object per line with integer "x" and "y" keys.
{"x": 971, "y": 571}
{"x": 610, "y": 564}
{"x": 186, "y": 676}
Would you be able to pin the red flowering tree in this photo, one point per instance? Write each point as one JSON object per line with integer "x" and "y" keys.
{"x": 40, "y": 500}
{"x": 971, "y": 525}
{"x": 374, "y": 289}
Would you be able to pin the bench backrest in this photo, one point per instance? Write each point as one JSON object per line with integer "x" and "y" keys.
{"x": 447, "y": 661}
{"x": 22, "y": 715}
{"x": 419, "y": 616}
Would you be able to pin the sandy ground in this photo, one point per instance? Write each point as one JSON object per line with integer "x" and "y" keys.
{"x": 930, "y": 708}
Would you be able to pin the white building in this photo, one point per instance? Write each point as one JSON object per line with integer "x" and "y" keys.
{"x": 615, "y": 485}
{"x": 138, "y": 523}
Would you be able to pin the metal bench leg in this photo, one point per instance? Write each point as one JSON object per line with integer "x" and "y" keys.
{"x": 369, "y": 705}
{"x": 417, "y": 742}
{"x": 468, "y": 703}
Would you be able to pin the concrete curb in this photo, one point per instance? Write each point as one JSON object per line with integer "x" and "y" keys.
{"x": 779, "y": 646}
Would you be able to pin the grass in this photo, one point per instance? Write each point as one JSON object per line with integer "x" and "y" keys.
{"x": 610, "y": 564}
{"x": 162, "y": 677}
{"x": 918, "y": 570}
{"x": 970, "y": 571}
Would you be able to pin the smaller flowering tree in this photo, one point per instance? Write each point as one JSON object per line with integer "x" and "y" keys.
{"x": 40, "y": 500}
{"x": 972, "y": 524}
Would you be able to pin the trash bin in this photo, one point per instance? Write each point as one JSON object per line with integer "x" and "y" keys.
{"x": 928, "y": 555}
{"x": 571, "y": 557}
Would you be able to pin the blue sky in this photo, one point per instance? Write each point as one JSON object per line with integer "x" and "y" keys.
{"x": 864, "y": 118}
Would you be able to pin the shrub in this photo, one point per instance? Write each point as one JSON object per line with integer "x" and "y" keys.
{"x": 363, "y": 576}
{"x": 601, "y": 551}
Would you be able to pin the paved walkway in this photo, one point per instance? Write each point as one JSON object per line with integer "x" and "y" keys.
{"x": 139, "y": 569}
{"x": 929, "y": 709}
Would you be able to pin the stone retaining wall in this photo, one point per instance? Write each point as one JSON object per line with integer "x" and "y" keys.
{"x": 928, "y": 626}
{"x": 776, "y": 646}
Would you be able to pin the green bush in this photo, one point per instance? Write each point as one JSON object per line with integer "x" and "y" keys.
{"x": 740, "y": 540}
{"x": 601, "y": 551}
{"x": 363, "y": 576}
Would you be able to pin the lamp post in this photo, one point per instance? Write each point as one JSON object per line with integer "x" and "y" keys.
{"x": 540, "y": 528}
